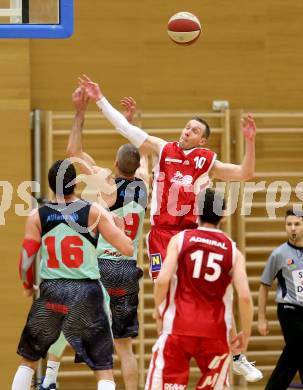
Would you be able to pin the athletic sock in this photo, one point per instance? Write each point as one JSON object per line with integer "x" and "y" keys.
{"x": 23, "y": 378}
{"x": 51, "y": 373}
{"x": 236, "y": 357}
{"x": 106, "y": 385}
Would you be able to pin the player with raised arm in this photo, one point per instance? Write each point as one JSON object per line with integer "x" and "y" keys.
{"x": 71, "y": 299}
{"x": 181, "y": 165}
{"x": 99, "y": 179}
{"x": 181, "y": 169}
{"x": 193, "y": 303}
{"x": 119, "y": 274}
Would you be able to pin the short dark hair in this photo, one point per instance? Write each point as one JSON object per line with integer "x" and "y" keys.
{"x": 206, "y": 133}
{"x": 62, "y": 172}
{"x": 289, "y": 212}
{"x": 211, "y": 205}
{"x": 128, "y": 158}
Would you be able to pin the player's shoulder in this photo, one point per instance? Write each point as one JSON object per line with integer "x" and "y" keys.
{"x": 280, "y": 250}
{"x": 187, "y": 235}
{"x": 189, "y": 232}
{"x": 227, "y": 237}
{"x": 206, "y": 152}
{"x": 34, "y": 213}
{"x": 97, "y": 209}
{"x": 171, "y": 145}
{"x": 33, "y": 219}
{"x": 231, "y": 244}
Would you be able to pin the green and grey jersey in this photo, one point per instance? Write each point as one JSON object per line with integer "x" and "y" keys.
{"x": 130, "y": 205}
{"x": 68, "y": 248}
{"x": 286, "y": 264}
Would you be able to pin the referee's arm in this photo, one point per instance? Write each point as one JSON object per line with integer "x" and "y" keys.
{"x": 268, "y": 276}
{"x": 262, "y": 303}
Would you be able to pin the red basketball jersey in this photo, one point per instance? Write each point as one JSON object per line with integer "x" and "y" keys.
{"x": 199, "y": 300}
{"x": 173, "y": 198}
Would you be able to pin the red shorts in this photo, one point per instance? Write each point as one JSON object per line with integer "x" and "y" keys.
{"x": 169, "y": 366}
{"x": 157, "y": 241}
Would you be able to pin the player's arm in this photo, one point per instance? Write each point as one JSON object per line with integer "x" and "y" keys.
{"x": 245, "y": 303}
{"x": 138, "y": 137}
{"x": 262, "y": 303}
{"x": 74, "y": 147}
{"x": 142, "y": 172}
{"x": 269, "y": 274}
{"x": 85, "y": 163}
{"x": 30, "y": 246}
{"x": 167, "y": 270}
{"x": 130, "y": 106}
{"x": 111, "y": 232}
{"x": 245, "y": 171}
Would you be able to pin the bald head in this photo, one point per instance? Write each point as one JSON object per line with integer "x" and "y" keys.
{"x": 128, "y": 159}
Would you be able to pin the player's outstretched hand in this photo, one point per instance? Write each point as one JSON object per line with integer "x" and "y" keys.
{"x": 80, "y": 99}
{"x": 263, "y": 327}
{"x": 249, "y": 127}
{"x": 93, "y": 90}
{"x": 129, "y": 104}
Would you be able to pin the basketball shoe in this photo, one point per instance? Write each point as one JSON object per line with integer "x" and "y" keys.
{"x": 243, "y": 367}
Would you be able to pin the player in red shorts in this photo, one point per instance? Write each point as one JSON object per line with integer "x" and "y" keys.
{"x": 193, "y": 300}
{"x": 181, "y": 167}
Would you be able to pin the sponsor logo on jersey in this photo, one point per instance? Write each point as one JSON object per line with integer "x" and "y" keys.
{"x": 179, "y": 178}
{"x": 207, "y": 241}
{"x": 131, "y": 194}
{"x": 59, "y": 217}
{"x": 289, "y": 307}
{"x": 297, "y": 276}
{"x": 112, "y": 253}
{"x": 156, "y": 262}
{"x": 186, "y": 162}
{"x": 173, "y": 160}
{"x": 291, "y": 264}
{"x": 174, "y": 386}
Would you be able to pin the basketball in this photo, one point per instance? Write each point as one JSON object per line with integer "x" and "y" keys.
{"x": 184, "y": 28}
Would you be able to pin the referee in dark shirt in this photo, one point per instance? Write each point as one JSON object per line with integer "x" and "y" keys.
{"x": 286, "y": 264}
